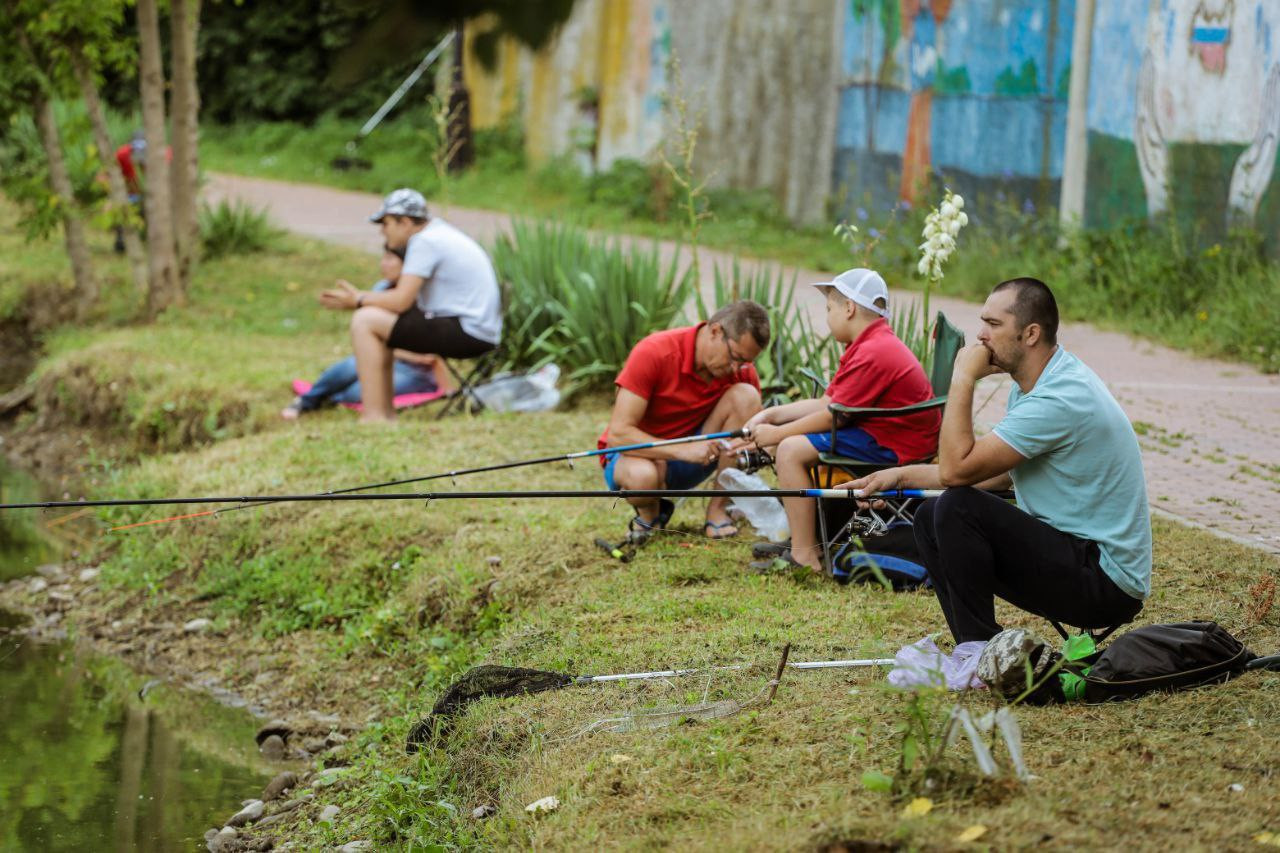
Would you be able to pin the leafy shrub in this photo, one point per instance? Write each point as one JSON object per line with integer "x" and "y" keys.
{"x": 582, "y": 301}
{"x": 236, "y": 229}
{"x": 24, "y": 171}
{"x": 640, "y": 190}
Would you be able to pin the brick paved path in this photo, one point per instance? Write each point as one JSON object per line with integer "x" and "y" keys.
{"x": 1210, "y": 430}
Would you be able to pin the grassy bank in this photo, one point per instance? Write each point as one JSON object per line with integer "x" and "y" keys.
{"x": 369, "y": 610}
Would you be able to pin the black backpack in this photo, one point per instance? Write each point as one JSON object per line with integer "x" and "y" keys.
{"x": 893, "y": 554}
{"x": 1176, "y": 656}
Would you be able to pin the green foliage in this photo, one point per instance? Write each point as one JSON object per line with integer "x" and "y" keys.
{"x": 24, "y": 172}
{"x": 582, "y": 301}
{"x": 636, "y": 188}
{"x": 236, "y": 229}
{"x": 271, "y": 59}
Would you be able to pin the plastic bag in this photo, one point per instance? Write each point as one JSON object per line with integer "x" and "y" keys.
{"x": 922, "y": 664}
{"x": 765, "y": 514}
{"x": 533, "y": 392}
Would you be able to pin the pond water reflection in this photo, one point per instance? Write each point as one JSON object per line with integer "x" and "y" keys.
{"x": 85, "y": 765}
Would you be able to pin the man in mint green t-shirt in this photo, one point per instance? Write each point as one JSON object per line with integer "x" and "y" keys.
{"x": 1077, "y": 547}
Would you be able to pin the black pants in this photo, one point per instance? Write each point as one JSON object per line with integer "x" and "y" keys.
{"x": 977, "y": 546}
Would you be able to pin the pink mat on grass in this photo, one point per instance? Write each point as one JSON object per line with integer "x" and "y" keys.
{"x": 400, "y": 401}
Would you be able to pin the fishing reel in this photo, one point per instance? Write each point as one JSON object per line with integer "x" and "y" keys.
{"x": 752, "y": 459}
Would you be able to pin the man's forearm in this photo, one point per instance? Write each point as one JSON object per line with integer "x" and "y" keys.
{"x": 955, "y": 441}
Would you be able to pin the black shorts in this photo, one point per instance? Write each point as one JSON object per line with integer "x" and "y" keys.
{"x": 441, "y": 336}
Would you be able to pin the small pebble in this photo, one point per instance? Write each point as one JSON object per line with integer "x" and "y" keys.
{"x": 87, "y": 575}
{"x": 482, "y": 812}
{"x": 272, "y": 747}
{"x": 1235, "y": 788}
{"x": 543, "y": 806}
{"x": 328, "y": 813}
{"x": 196, "y": 625}
{"x": 251, "y": 812}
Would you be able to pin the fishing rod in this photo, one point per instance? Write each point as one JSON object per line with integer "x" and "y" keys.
{"x": 620, "y": 494}
{"x": 503, "y": 466}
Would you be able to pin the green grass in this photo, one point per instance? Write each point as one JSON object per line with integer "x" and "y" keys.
{"x": 370, "y": 609}
{"x": 375, "y": 606}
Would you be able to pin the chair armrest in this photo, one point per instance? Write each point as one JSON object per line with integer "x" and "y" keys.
{"x": 857, "y": 413}
{"x": 818, "y": 384}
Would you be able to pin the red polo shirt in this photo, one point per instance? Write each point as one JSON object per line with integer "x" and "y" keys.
{"x": 660, "y": 369}
{"x": 877, "y": 370}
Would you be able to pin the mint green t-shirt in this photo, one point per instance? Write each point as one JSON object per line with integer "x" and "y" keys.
{"x": 1083, "y": 473}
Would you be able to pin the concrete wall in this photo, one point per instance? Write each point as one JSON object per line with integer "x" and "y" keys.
{"x": 973, "y": 91}
{"x": 761, "y": 76}
{"x": 1184, "y": 112}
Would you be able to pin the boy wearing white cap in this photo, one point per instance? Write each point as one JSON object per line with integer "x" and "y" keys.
{"x": 877, "y": 370}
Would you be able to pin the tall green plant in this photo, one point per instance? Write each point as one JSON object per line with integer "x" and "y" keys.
{"x": 582, "y": 301}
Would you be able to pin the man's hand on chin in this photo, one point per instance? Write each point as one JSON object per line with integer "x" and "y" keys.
{"x": 974, "y": 361}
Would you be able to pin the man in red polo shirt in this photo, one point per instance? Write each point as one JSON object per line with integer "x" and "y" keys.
{"x": 688, "y": 381}
{"x": 877, "y": 370}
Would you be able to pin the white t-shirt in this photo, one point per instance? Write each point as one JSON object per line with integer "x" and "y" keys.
{"x": 459, "y": 280}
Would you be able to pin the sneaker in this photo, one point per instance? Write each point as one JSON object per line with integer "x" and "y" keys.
{"x": 293, "y": 411}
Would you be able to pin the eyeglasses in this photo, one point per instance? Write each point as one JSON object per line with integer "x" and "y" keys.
{"x": 735, "y": 359}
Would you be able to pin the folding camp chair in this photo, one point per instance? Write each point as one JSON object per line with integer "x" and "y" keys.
{"x": 947, "y": 343}
{"x": 464, "y": 397}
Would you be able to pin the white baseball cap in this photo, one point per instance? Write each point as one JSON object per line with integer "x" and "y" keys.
{"x": 863, "y": 286}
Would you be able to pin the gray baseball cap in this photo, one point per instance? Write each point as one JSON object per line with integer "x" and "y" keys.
{"x": 402, "y": 202}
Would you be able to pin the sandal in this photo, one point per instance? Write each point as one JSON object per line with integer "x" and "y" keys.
{"x": 639, "y": 531}
{"x": 716, "y": 526}
{"x": 769, "y": 550}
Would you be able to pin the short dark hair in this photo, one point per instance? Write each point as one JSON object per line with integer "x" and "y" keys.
{"x": 399, "y": 253}
{"x": 1033, "y": 302}
{"x": 738, "y": 318}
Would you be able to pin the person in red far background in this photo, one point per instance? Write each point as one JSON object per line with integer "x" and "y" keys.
{"x": 877, "y": 370}
{"x": 132, "y": 160}
{"x": 676, "y": 383}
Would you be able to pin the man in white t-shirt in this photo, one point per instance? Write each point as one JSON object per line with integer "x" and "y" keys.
{"x": 446, "y": 302}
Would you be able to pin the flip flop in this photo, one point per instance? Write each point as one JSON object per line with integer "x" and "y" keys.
{"x": 782, "y": 564}
{"x": 720, "y": 526}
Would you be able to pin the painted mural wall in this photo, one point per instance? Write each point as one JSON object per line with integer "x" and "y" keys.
{"x": 761, "y": 75}
{"x": 1184, "y": 113}
{"x": 973, "y": 91}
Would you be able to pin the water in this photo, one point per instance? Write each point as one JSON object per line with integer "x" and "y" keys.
{"x": 29, "y": 538}
{"x": 84, "y": 763}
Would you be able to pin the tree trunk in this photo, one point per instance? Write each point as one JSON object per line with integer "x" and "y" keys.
{"x": 165, "y": 288}
{"x": 460, "y": 142}
{"x": 72, "y": 227}
{"x": 184, "y": 22}
{"x": 117, "y": 192}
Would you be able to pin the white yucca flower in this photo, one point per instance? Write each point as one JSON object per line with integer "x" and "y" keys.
{"x": 941, "y": 227}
